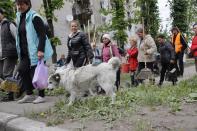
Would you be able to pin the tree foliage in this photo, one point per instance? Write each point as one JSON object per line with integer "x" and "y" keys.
{"x": 179, "y": 14}
{"x": 8, "y": 6}
{"x": 119, "y": 22}
{"x": 191, "y": 16}
{"x": 49, "y": 7}
{"x": 149, "y": 15}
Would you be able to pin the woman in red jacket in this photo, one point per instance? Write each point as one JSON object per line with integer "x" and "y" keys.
{"x": 132, "y": 58}
{"x": 194, "y": 44}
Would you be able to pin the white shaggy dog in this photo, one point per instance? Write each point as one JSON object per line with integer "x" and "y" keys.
{"x": 77, "y": 81}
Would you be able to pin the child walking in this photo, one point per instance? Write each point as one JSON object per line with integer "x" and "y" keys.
{"x": 132, "y": 54}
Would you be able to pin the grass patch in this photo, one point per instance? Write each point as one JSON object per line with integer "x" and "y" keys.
{"x": 127, "y": 102}
{"x": 2, "y": 94}
{"x": 56, "y": 92}
{"x": 143, "y": 125}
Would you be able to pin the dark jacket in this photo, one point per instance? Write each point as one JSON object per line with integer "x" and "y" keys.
{"x": 167, "y": 52}
{"x": 7, "y": 40}
{"x": 78, "y": 46}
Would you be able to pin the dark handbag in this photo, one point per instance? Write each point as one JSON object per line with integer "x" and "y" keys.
{"x": 171, "y": 74}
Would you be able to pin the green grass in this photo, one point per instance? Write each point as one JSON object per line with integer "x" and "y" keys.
{"x": 55, "y": 92}
{"x": 128, "y": 100}
{"x": 2, "y": 94}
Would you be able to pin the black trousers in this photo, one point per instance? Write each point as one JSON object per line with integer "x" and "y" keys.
{"x": 79, "y": 61}
{"x": 117, "y": 83}
{"x": 27, "y": 72}
{"x": 164, "y": 68}
{"x": 180, "y": 64}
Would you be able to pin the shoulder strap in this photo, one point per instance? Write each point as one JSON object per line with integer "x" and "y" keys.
{"x": 111, "y": 51}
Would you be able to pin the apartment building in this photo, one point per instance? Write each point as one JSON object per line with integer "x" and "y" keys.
{"x": 87, "y": 12}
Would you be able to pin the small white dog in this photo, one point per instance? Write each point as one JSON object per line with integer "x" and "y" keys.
{"x": 77, "y": 81}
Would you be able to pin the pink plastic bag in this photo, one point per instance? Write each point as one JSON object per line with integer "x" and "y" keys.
{"x": 40, "y": 76}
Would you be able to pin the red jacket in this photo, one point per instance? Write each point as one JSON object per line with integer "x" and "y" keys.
{"x": 133, "y": 52}
{"x": 194, "y": 46}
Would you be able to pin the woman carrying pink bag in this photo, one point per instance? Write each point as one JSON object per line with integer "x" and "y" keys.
{"x": 32, "y": 45}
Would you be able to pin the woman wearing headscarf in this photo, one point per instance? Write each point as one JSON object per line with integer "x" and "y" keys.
{"x": 110, "y": 50}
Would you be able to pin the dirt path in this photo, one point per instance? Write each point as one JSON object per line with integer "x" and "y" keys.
{"x": 146, "y": 119}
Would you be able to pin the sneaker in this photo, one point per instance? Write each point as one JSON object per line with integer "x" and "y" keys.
{"x": 26, "y": 99}
{"x": 39, "y": 99}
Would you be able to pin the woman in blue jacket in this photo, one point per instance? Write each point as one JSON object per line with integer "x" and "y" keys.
{"x": 32, "y": 45}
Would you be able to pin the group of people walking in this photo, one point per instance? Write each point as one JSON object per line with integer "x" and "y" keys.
{"x": 171, "y": 55}
{"x": 25, "y": 43}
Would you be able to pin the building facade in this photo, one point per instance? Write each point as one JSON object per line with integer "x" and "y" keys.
{"x": 87, "y": 12}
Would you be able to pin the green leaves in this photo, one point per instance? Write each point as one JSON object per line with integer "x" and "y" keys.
{"x": 179, "y": 14}
{"x": 150, "y": 14}
{"x": 8, "y": 6}
{"x": 50, "y": 6}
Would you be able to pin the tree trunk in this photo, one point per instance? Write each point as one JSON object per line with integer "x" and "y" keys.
{"x": 47, "y": 6}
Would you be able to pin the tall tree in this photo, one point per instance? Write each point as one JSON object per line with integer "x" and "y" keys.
{"x": 50, "y": 6}
{"x": 150, "y": 15}
{"x": 179, "y": 14}
{"x": 119, "y": 24}
{"x": 8, "y": 6}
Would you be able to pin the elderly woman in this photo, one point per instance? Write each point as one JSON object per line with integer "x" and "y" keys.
{"x": 79, "y": 50}
{"x": 32, "y": 45}
{"x": 110, "y": 50}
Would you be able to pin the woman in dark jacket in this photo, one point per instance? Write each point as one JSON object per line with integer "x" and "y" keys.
{"x": 79, "y": 49}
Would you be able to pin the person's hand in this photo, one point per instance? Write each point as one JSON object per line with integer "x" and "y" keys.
{"x": 40, "y": 55}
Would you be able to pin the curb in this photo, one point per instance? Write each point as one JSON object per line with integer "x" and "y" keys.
{"x": 10, "y": 122}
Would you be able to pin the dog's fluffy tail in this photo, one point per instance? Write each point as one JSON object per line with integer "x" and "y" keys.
{"x": 115, "y": 62}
